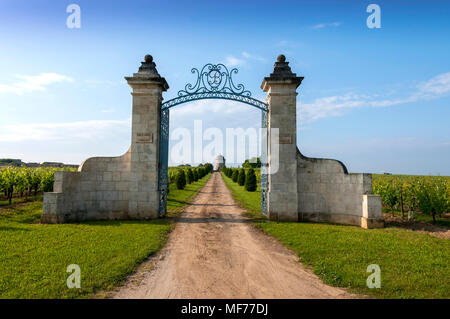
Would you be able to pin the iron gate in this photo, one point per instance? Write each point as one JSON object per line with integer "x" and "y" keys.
{"x": 214, "y": 81}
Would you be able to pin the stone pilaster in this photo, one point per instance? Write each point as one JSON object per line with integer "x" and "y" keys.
{"x": 281, "y": 88}
{"x": 147, "y": 87}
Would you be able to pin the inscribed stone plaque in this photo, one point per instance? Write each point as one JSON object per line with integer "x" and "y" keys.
{"x": 144, "y": 138}
{"x": 285, "y": 139}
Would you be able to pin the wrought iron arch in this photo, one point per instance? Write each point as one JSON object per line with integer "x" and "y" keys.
{"x": 214, "y": 81}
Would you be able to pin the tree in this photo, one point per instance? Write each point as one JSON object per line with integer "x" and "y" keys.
{"x": 8, "y": 181}
{"x": 190, "y": 176}
{"x": 250, "y": 180}
{"x": 235, "y": 175}
{"x": 439, "y": 199}
{"x": 180, "y": 179}
{"x": 47, "y": 180}
{"x": 195, "y": 174}
{"x": 241, "y": 177}
{"x": 252, "y": 163}
{"x": 208, "y": 167}
{"x": 389, "y": 195}
{"x": 410, "y": 191}
{"x": 201, "y": 172}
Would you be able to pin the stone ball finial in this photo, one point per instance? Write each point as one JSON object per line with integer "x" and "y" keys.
{"x": 281, "y": 58}
{"x": 148, "y": 58}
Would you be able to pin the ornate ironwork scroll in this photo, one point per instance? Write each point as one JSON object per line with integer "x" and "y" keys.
{"x": 214, "y": 81}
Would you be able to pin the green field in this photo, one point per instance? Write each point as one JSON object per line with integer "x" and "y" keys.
{"x": 413, "y": 265}
{"x": 34, "y": 257}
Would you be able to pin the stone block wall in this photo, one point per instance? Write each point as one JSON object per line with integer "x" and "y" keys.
{"x": 124, "y": 187}
{"x": 99, "y": 190}
{"x": 327, "y": 193}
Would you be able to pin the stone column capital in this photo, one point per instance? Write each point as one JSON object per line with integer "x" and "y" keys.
{"x": 281, "y": 77}
{"x": 147, "y": 77}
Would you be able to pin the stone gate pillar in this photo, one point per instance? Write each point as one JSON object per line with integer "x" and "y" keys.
{"x": 147, "y": 87}
{"x": 281, "y": 86}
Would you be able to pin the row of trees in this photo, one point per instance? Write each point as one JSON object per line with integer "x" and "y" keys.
{"x": 26, "y": 181}
{"x": 188, "y": 175}
{"x": 244, "y": 177}
{"x": 427, "y": 194}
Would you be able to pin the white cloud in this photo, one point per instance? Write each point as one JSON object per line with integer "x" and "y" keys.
{"x": 440, "y": 84}
{"x": 253, "y": 57}
{"x": 324, "y": 25}
{"x": 233, "y": 61}
{"x": 68, "y": 131}
{"x": 335, "y": 105}
{"x": 245, "y": 57}
{"x": 108, "y": 111}
{"x": 31, "y": 83}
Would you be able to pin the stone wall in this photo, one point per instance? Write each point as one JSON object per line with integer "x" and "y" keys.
{"x": 124, "y": 187}
{"x": 328, "y": 193}
{"x": 99, "y": 190}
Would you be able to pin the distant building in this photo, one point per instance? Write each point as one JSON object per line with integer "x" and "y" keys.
{"x": 52, "y": 164}
{"x": 219, "y": 163}
{"x": 10, "y": 162}
{"x": 32, "y": 164}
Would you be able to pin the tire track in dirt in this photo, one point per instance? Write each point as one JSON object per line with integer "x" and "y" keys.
{"x": 214, "y": 252}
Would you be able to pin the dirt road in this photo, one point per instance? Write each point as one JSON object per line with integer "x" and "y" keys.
{"x": 214, "y": 252}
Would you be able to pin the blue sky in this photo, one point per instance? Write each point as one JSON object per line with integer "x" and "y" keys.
{"x": 376, "y": 99}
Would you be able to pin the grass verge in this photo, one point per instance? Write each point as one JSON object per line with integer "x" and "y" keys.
{"x": 20, "y": 200}
{"x": 34, "y": 257}
{"x": 420, "y": 217}
{"x": 178, "y": 199}
{"x": 251, "y": 201}
{"x": 412, "y": 265}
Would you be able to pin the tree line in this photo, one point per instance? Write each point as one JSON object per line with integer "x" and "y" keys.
{"x": 182, "y": 176}
{"x": 427, "y": 194}
{"x": 26, "y": 181}
{"x": 244, "y": 177}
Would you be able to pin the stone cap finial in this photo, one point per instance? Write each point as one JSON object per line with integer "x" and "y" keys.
{"x": 281, "y": 58}
{"x": 282, "y": 68}
{"x": 147, "y": 74}
{"x": 148, "y": 66}
{"x": 281, "y": 73}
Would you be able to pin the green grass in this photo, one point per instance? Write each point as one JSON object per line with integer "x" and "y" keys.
{"x": 251, "y": 201}
{"x": 19, "y": 200}
{"x": 420, "y": 217}
{"x": 34, "y": 257}
{"x": 178, "y": 199}
{"x": 412, "y": 265}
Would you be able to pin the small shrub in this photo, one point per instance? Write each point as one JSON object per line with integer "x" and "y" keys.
{"x": 235, "y": 175}
{"x": 250, "y": 181}
{"x": 195, "y": 174}
{"x": 190, "y": 176}
{"x": 180, "y": 179}
{"x": 241, "y": 177}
